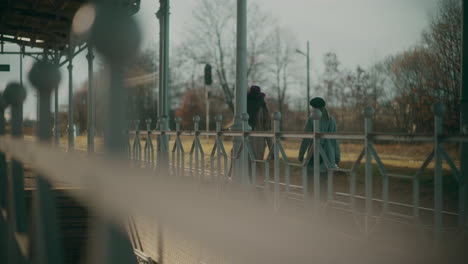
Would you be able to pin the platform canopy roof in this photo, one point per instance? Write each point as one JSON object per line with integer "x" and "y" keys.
{"x": 44, "y": 23}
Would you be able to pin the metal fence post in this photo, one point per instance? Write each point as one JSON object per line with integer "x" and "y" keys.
{"x": 177, "y": 155}
{"x": 276, "y": 167}
{"x": 56, "y": 108}
{"x": 464, "y": 177}
{"x": 3, "y": 191}
{"x": 90, "y": 96}
{"x": 439, "y": 111}
{"x": 3, "y": 164}
{"x": 129, "y": 143}
{"x": 316, "y": 116}
{"x": 14, "y": 95}
{"x": 131, "y": 128}
{"x": 145, "y": 148}
{"x": 149, "y": 151}
{"x": 163, "y": 154}
{"x": 117, "y": 42}
{"x": 244, "y": 158}
{"x": 164, "y": 75}
{"x": 219, "y": 146}
{"x": 117, "y": 37}
{"x": 330, "y": 191}
{"x": 196, "y": 126}
{"x": 48, "y": 247}
{"x": 136, "y": 142}
{"x": 218, "y": 121}
{"x": 71, "y": 136}
{"x": 368, "y": 115}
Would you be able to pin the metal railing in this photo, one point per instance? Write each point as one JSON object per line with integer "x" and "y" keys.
{"x": 212, "y": 202}
{"x": 52, "y": 165}
{"x": 226, "y": 166}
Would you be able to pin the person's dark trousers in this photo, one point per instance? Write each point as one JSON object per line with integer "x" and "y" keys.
{"x": 323, "y": 183}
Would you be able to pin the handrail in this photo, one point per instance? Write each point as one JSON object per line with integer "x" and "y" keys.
{"x": 180, "y": 204}
{"x": 368, "y": 155}
{"x": 399, "y": 137}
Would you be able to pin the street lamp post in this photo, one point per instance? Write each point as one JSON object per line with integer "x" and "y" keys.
{"x": 307, "y": 55}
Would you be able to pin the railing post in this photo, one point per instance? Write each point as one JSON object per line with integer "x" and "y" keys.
{"x": 316, "y": 116}
{"x": 148, "y": 124}
{"x": 276, "y": 130}
{"x": 219, "y": 121}
{"x": 439, "y": 111}
{"x": 45, "y": 77}
{"x": 177, "y": 121}
{"x": 3, "y": 164}
{"x": 163, "y": 154}
{"x": 196, "y": 126}
{"x": 136, "y": 142}
{"x": 368, "y": 115}
{"x": 149, "y": 151}
{"x": 244, "y": 158}
{"x": 14, "y": 95}
{"x": 163, "y": 16}
{"x": 4, "y": 238}
{"x": 464, "y": 177}
{"x": 129, "y": 143}
{"x": 117, "y": 37}
{"x": 330, "y": 192}
{"x": 71, "y": 136}
{"x": 56, "y": 112}
{"x": 90, "y": 95}
{"x": 177, "y": 157}
{"x": 196, "y": 123}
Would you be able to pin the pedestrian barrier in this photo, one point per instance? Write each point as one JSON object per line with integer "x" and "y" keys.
{"x": 220, "y": 171}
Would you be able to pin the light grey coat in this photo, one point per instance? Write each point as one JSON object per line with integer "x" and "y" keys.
{"x": 330, "y": 146}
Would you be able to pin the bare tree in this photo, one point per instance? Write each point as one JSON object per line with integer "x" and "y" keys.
{"x": 415, "y": 75}
{"x": 281, "y": 59}
{"x": 443, "y": 40}
{"x": 347, "y": 92}
{"x": 331, "y": 77}
{"x": 430, "y": 72}
{"x": 212, "y": 38}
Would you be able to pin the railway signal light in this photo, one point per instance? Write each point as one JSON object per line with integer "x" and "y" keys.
{"x": 208, "y": 77}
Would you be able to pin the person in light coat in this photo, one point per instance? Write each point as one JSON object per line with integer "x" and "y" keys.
{"x": 331, "y": 148}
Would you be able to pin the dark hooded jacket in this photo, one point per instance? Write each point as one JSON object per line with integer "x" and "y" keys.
{"x": 259, "y": 120}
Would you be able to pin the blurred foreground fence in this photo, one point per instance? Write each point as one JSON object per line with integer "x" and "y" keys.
{"x": 221, "y": 205}
{"x": 205, "y": 204}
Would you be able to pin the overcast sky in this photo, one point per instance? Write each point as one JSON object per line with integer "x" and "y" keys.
{"x": 361, "y": 32}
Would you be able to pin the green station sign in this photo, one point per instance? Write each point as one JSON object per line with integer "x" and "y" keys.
{"x": 4, "y": 67}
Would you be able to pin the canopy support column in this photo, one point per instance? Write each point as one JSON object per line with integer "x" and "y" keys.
{"x": 56, "y": 104}
{"x": 71, "y": 130}
{"x": 464, "y": 117}
{"x": 90, "y": 119}
{"x": 163, "y": 113}
{"x": 241, "y": 79}
{"x": 21, "y": 64}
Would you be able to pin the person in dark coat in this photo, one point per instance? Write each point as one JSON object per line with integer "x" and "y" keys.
{"x": 259, "y": 120}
